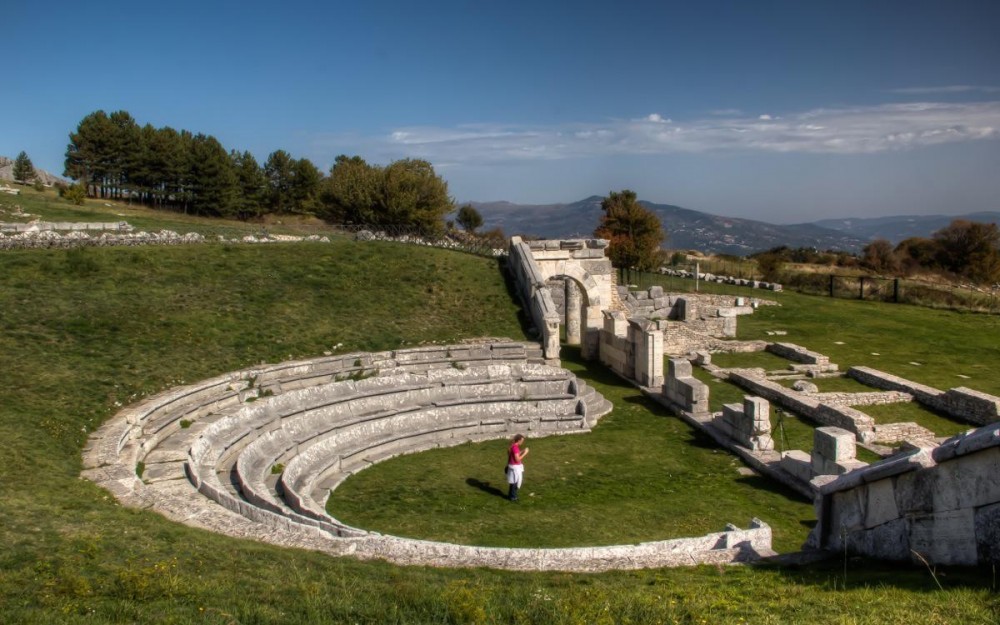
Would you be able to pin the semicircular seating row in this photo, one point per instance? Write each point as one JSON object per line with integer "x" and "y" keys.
{"x": 271, "y": 443}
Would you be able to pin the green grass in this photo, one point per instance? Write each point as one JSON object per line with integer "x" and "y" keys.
{"x": 839, "y": 384}
{"x": 912, "y": 411}
{"x": 748, "y": 360}
{"x": 84, "y": 331}
{"x": 48, "y": 206}
{"x": 945, "y": 345}
{"x": 641, "y": 475}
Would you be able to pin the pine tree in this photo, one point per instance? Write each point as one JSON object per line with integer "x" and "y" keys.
{"x": 279, "y": 169}
{"x": 252, "y": 184}
{"x": 213, "y": 181}
{"x": 24, "y": 171}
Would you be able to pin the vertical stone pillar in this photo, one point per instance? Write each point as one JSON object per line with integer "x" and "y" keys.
{"x": 574, "y": 312}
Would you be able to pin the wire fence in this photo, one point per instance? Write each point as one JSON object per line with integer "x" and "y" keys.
{"x": 964, "y": 297}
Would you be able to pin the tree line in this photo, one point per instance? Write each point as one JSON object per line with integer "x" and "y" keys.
{"x": 969, "y": 249}
{"x": 113, "y": 157}
{"x": 965, "y": 249}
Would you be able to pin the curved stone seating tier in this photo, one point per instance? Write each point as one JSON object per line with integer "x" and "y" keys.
{"x": 265, "y": 446}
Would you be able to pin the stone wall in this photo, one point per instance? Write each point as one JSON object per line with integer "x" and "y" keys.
{"x": 748, "y": 425}
{"x": 40, "y": 226}
{"x": 845, "y": 417}
{"x": 682, "y": 390}
{"x": 529, "y": 283}
{"x": 942, "y": 503}
{"x": 710, "y": 277}
{"x": 961, "y": 403}
{"x": 633, "y": 348}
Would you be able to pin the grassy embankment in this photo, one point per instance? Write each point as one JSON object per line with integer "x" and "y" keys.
{"x": 83, "y": 331}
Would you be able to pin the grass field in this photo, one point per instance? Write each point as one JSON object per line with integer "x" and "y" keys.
{"x": 640, "y": 475}
{"x": 83, "y": 332}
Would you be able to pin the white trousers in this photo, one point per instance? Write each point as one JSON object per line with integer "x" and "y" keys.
{"x": 515, "y": 474}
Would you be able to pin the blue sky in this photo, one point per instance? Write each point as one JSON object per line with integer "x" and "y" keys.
{"x": 781, "y": 111}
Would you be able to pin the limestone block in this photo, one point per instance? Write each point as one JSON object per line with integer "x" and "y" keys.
{"x": 987, "y": 525}
{"x": 678, "y": 368}
{"x": 945, "y": 537}
{"x": 846, "y": 466}
{"x": 757, "y": 409}
{"x": 881, "y": 504}
{"x": 702, "y": 358}
{"x": 804, "y": 387}
{"x": 655, "y": 292}
{"x": 834, "y": 444}
{"x": 889, "y": 541}
{"x": 848, "y": 511}
{"x": 797, "y": 463}
{"x": 914, "y": 492}
{"x": 968, "y": 481}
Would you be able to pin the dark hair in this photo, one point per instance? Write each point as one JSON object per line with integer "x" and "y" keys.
{"x": 518, "y": 438}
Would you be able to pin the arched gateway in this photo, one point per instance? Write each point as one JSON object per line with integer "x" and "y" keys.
{"x": 589, "y": 282}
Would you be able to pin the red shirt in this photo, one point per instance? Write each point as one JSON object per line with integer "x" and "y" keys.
{"x": 513, "y": 454}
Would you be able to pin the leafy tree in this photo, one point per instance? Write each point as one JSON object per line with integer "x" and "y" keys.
{"x": 469, "y": 218}
{"x": 971, "y": 249}
{"x": 351, "y": 191}
{"x": 305, "y": 187}
{"x": 634, "y": 232}
{"x": 24, "y": 171}
{"x": 770, "y": 265}
{"x": 413, "y": 195}
{"x": 879, "y": 257}
{"x": 280, "y": 172}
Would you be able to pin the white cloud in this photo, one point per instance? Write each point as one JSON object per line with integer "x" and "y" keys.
{"x": 843, "y": 130}
{"x": 945, "y": 89}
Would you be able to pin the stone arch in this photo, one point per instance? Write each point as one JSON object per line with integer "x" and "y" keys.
{"x": 584, "y": 318}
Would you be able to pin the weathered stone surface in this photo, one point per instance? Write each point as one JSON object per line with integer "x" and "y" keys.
{"x": 945, "y": 537}
{"x": 987, "y": 527}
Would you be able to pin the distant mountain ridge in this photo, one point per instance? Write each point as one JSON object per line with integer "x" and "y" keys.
{"x": 899, "y": 227}
{"x": 686, "y": 228}
{"x": 691, "y": 229}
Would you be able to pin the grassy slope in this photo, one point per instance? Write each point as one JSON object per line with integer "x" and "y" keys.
{"x": 83, "y": 331}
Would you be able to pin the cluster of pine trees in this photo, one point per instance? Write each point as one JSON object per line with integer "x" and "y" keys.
{"x": 114, "y": 157}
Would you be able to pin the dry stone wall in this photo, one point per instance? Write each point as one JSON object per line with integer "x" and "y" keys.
{"x": 962, "y": 403}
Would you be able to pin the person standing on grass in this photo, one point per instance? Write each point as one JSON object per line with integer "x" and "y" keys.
{"x": 515, "y": 465}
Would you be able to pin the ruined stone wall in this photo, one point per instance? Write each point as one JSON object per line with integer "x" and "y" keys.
{"x": 633, "y": 348}
{"x": 942, "y": 503}
{"x": 529, "y": 284}
{"x": 844, "y": 417}
{"x": 962, "y": 403}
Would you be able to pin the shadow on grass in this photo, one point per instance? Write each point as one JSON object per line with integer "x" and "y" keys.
{"x": 523, "y": 318}
{"x": 759, "y": 482}
{"x": 486, "y": 487}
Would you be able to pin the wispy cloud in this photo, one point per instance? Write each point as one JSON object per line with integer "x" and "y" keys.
{"x": 842, "y": 130}
{"x": 945, "y": 89}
